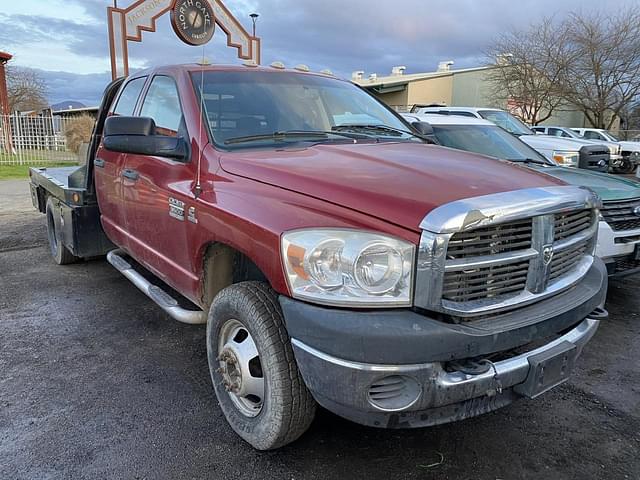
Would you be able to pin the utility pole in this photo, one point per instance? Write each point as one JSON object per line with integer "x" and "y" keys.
{"x": 5, "y": 121}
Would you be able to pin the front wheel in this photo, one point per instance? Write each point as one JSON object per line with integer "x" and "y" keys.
{"x": 626, "y": 168}
{"x": 254, "y": 373}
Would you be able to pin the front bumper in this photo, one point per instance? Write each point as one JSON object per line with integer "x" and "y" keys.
{"x": 350, "y": 359}
{"x": 617, "y": 249}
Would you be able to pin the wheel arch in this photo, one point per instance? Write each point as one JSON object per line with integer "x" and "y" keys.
{"x": 224, "y": 265}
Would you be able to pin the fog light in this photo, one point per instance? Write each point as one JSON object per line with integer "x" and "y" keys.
{"x": 394, "y": 393}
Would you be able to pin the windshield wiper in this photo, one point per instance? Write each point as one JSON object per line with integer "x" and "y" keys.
{"x": 291, "y": 135}
{"x": 527, "y": 160}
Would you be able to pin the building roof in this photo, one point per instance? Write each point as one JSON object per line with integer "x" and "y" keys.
{"x": 402, "y": 79}
{"x": 75, "y": 110}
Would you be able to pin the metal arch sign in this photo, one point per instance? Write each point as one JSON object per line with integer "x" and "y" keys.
{"x": 193, "y": 21}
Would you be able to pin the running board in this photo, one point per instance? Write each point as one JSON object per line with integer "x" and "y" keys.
{"x": 165, "y": 301}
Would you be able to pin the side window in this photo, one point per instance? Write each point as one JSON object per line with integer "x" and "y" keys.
{"x": 128, "y": 98}
{"x": 163, "y": 105}
{"x": 555, "y": 132}
{"x": 592, "y": 135}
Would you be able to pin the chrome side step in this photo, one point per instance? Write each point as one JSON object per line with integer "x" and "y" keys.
{"x": 165, "y": 301}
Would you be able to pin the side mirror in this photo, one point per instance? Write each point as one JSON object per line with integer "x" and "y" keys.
{"x": 423, "y": 128}
{"x": 137, "y": 135}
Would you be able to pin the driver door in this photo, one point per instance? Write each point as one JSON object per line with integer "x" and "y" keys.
{"x": 158, "y": 192}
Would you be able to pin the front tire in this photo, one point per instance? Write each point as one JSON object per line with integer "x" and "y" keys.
{"x": 59, "y": 252}
{"x": 626, "y": 168}
{"x": 253, "y": 369}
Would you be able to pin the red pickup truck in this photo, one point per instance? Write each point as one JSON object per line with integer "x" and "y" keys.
{"x": 335, "y": 255}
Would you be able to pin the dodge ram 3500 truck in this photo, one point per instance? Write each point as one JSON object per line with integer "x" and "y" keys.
{"x": 334, "y": 256}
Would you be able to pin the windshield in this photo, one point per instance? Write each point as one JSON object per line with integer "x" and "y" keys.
{"x": 609, "y": 137}
{"x": 570, "y": 133}
{"x": 487, "y": 140}
{"x": 256, "y": 107}
{"x": 507, "y": 121}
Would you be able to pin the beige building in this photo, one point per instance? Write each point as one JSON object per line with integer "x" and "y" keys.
{"x": 468, "y": 87}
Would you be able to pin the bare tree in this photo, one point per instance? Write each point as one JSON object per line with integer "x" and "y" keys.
{"x": 528, "y": 67}
{"x": 602, "y": 77}
{"x": 26, "y": 88}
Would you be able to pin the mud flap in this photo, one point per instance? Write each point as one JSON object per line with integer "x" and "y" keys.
{"x": 548, "y": 370}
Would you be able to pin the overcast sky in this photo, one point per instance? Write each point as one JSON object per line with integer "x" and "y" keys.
{"x": 67, "y": 39}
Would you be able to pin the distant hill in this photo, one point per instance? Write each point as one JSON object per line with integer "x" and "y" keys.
{"x": 67, "y": 105}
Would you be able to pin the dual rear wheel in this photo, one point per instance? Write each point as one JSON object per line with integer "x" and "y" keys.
{"x": 59, "y": 252}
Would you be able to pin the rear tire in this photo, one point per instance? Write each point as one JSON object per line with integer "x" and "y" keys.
{"x": 246, "y": 317}
{"x": 59, "y": 252}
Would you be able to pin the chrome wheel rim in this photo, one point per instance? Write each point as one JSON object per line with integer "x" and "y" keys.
{"x": 240, "y": 368}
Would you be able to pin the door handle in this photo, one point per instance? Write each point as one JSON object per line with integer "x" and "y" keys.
{"x": 98, "y": 162}
{"x": 130, "y": 174}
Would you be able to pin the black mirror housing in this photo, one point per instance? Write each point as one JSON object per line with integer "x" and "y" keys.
{"x": 130, "y": 126}
{"x": 137, "y": 135}
{"x": 423, "y": 128}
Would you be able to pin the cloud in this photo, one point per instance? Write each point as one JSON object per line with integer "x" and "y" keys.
{"x": 63, "y": 86}
{"x": 343, "y": 35}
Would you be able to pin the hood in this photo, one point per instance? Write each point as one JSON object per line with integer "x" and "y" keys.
{"x": 550, "y": 142}
{"x": 608, "y": 187}
{"x": 396, "y": 182}
{"x": 630, "y": 146}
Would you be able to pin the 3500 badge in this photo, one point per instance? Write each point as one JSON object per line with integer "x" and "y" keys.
{"x": 193, "y": 21}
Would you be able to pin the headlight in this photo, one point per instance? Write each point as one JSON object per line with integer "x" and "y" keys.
{"x": 348, "y": 268}
{"x": 567, "y": 159}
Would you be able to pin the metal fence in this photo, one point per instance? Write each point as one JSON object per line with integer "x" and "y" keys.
{"x": 34, "y": 140}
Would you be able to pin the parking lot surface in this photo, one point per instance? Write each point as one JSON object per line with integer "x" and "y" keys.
{"x": 97, "y": 382}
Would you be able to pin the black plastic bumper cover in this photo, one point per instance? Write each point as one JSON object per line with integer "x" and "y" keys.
{"x": 341, "y": 354}
{"x": 406, "y": 337}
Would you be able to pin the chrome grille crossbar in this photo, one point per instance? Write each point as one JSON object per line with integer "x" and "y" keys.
{"x": 490, "y": 260}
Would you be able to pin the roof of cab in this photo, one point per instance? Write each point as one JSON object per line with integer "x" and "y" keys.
{"x": 246, "y": 67}
{"x": 437, "y": 119}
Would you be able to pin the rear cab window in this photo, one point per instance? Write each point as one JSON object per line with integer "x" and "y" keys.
{"x": 126, "y": 103}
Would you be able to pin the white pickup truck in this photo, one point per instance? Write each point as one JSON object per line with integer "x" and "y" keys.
{"x": 630, "y": 150}
{"x": 565, "y": 151}
{"x": 617, "y": 165}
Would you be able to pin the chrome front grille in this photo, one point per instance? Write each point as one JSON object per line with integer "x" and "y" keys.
{"x": 567, "y": 225}
{"x": 565, "y": 261}
{"x": 497, "y": 280}
{"x": 480, "y": 283}
{"x": 510, "y": 250}
{"x": 622, "y": 216}
{"x": 491, "y": 240}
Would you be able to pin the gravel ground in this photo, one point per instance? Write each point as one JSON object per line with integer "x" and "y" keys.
{"x": 96, "y": 382}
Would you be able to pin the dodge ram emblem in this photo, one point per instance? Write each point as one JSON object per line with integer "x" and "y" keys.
{"x": 547, "y": 254}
